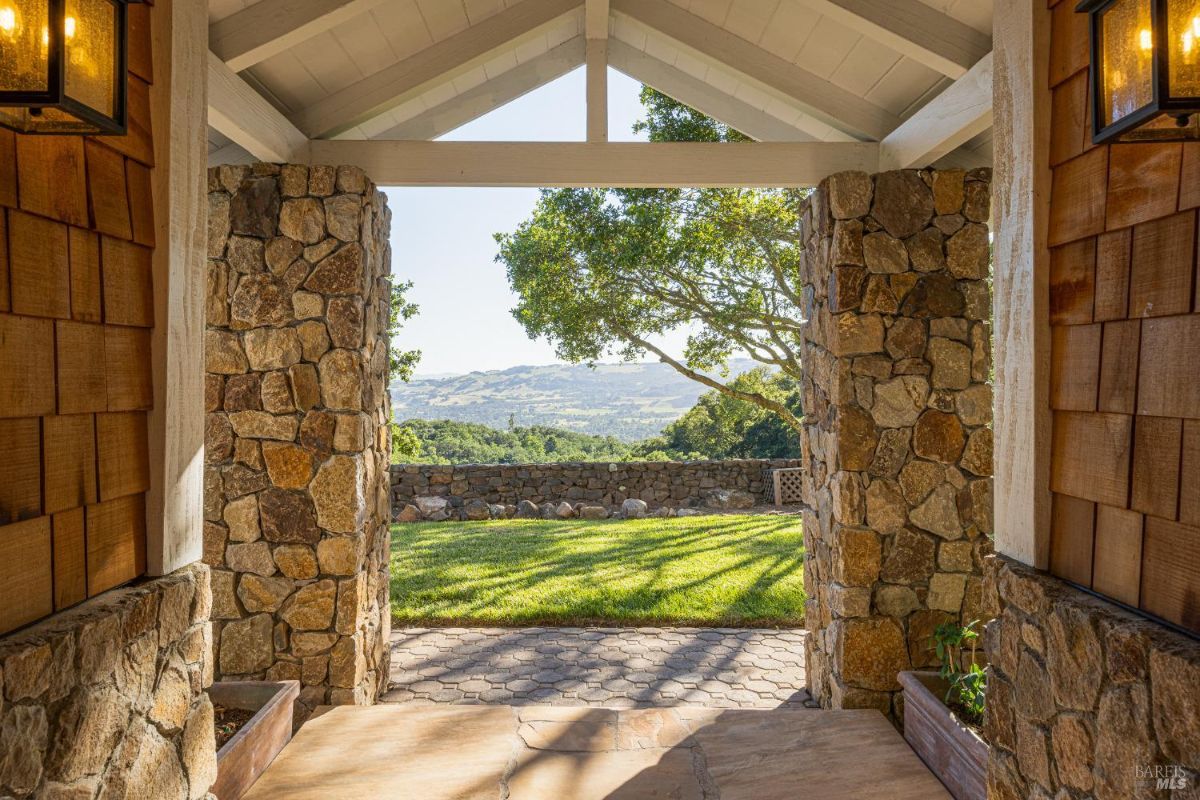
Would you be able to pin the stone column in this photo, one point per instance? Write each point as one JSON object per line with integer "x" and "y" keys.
{"x": 296, "y": 481}
{"x": 897, "y": 414}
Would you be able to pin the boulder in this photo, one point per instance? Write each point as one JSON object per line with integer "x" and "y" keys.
{"x": 527, "y": 509}
{"x": 428, "y": 506}
{"x": 728, "y": 498}
{"x": 593, "y": 512}
{"x": 633, "y": 508}
{"x": 688, "y": 512}
{"x": 477, "y": 510}
{"x": 409, "y": 513}
{"x": 564, "y": 510}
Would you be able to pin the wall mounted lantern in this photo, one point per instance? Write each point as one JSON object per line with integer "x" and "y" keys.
{"x": 62, "y": 66}
{"x": 1145, "y": 70}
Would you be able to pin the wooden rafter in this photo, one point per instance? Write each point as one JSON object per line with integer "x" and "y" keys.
{"x": 701, "y": 96}
{"x": 911, "y": 28}
{"x": 240, "y": 113}
{"x": 490, "y": 95}
{"x": 629, "y": 164}
{"x": 832, "y": 104}
{"x": 440, "y": 62}
{"x": 268, "y": 27}
{"x": 962, "y": 111}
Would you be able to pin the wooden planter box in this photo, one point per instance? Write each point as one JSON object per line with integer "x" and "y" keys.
{"x": 954, "y": 752}
{"x": 251, "y": 750}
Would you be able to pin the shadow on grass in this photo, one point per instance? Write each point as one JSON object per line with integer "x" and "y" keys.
{"x": 729, "y": 570}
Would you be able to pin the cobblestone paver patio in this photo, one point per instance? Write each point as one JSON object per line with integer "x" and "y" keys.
{"x": 613, "y": 667}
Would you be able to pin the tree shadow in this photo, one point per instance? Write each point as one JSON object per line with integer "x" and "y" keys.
{"x": 589, "y": 572}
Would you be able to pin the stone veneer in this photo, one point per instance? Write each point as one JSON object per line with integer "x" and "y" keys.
{"x": 659, "y": 483}
{"x": 1084, "y": 698}
{"x": 897, "y": 436}
{"x": 107, "y": 698}
{"x": 296, "y": 481}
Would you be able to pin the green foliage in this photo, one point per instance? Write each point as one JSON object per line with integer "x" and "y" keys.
{"x": 406, "y": 445}
{"x": 446, "y": 441}
{"x": 602, "y": 273}
{"x": 721, "y": 426}
{"x": 725, "y": 571}
{"x": 401, "y": 363}
{"x": 670, "y": 121}
{"x": 967, "y": 680}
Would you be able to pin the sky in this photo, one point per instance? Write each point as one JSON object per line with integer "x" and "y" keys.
{"x": 442, "y": 237}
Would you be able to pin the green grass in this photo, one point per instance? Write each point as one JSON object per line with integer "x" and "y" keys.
{"x": 710, "y": 570}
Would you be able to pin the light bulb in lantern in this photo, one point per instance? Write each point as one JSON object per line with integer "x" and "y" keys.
{"x": 8, "y": 20}
{"x": 69, "y": 28}
{"x": 1145, "y": 39}
{"x": 1196, "y": 25}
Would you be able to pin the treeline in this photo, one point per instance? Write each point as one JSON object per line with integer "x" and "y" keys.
{"x": 718, "y": 426}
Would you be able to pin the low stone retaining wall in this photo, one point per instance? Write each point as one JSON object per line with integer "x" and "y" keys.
{"x": 107, "y": 699}
{"x": 479, "y": 491}
{"x": 1085, "y": 698}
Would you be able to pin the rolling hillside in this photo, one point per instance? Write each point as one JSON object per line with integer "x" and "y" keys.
{"x": 628, "y": 401}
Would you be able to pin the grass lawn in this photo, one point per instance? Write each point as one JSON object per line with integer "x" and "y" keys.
{"x": 710, "y": 570}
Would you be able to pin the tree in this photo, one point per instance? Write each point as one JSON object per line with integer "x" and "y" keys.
{"x": 607, "y": 272}
{"x": 721, "y": 426}
{"x": 401, "y": 363}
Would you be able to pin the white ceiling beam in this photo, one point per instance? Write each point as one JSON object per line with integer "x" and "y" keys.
{"x": 697, "y": 94}
{"x": 962, "y": 111}
{"x": 599, "y": 164}
{"x": 913, "y": 29}
{"x": 269, "y": 27}
{"x": 490, "y": 95}
{"x": 597, "y": 90}
{"x": 440, "y": 62}
{"x": 595, "y": 20}
{"x": 836, "y": 106}
{"x": 595, "y": 27}
{"x": 245, "y": 118}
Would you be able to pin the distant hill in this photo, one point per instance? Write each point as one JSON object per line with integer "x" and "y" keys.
{"x": 628, "y": 401}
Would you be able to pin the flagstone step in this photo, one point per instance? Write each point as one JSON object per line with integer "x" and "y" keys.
{"x": 584, "y": 753}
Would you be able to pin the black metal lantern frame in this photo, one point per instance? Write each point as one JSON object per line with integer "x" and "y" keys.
{"x": 55, "y": 96}
{"x": 1162, "y": 102}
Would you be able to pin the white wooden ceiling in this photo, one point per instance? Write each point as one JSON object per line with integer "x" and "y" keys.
{"x": 752, "y": 63}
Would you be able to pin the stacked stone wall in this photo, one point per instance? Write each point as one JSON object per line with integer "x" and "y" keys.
{"x": 897, "y": 440}
{"x": 669, "y": 484}
{"x": 107, "y": 699}
{"x": 1085, "y": 699}
{"x": 296, "y": 481}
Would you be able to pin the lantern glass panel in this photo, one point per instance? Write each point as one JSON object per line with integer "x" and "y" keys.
{"x": 1127, "y": 58}
{"x": 1183, "y": 34}
{"x": 24, "y": 61}
{"x": 90, "y": 31}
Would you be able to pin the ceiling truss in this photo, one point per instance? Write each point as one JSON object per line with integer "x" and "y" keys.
{"x": 831, "y": 129}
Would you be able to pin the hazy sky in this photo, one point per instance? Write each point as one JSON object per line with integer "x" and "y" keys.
{"x": 442, "y": 238}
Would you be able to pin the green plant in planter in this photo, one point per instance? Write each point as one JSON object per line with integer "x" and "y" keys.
{"x": 967, "y": 683}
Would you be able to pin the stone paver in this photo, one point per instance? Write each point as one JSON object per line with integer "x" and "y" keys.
{"x": 614, "y": 667}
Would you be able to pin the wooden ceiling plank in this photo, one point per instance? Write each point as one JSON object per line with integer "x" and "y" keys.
{"x": 824, "y": 100}
{"x": 269, "y": 27}
{"x": 913, "y": 29}
{"x": 961, "y": 112}
{"x": 601, "y": 164}
{"x": 439, "y": 62}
